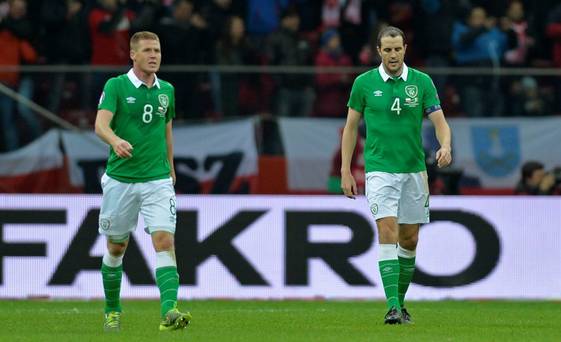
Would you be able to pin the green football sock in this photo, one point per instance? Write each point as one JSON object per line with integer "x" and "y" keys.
{"x": 406, "y": 270}
{"x": 112, "y": 286}
{"x": 168, "y": 283}
{"x": 389, "y": 271}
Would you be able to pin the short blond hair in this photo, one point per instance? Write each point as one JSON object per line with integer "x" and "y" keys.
{"x": 142, "y": 35}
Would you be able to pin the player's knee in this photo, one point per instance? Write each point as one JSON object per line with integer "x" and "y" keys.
{"x": 164, "y": 245}
{"x": 409, "y": 242}
{"x": 163, "y": 241}
{"x": 387, "y": 230}
{"x": 117, "y": 245}
{"x": 116, "y": 250}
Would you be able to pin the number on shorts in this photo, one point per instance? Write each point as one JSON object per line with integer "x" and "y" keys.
{"x": 172, "y": 208}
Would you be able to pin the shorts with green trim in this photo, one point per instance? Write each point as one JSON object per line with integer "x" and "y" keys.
{"x": 401, "y": 195}
{"x": 123, "y": 202}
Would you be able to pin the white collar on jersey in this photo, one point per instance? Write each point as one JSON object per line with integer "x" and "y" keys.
{"x": 386, "y": 77}
{"x": 137, "y": 82}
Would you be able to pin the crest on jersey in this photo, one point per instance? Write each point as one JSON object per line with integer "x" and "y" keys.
{"x": 164, "y": 100}
{"x": 411, "y": 90}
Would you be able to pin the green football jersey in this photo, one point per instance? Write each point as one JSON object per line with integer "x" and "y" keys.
{"x": 393, "y": 110}
{"x": 140, "y": 115}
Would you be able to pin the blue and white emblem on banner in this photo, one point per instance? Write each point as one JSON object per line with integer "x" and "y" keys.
{"x": 496, "y": 149}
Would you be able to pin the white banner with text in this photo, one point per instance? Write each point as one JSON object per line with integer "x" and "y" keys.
{"x": 286, "y": 247}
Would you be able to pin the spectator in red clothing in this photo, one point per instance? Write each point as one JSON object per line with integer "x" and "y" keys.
{"x": 110, "y": 25}
{"x": 15, "y": 49}
{"x": 332, "y": 88}
{"x": 331, "y": 14}
{"x": 553, "y": 31}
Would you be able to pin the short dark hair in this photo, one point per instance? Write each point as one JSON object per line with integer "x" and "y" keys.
{"x": 529, "y": 168}
{"x": 390, "y": 31}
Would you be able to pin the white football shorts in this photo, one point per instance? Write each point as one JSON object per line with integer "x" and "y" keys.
{"x": 122, "y": 202}
{"x": 401, "y": 195}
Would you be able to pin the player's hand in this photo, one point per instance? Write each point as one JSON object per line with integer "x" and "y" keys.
{"x": 348, "y": 185}
{"x": 443, "y": 157}
{"x": 122, "y": 148}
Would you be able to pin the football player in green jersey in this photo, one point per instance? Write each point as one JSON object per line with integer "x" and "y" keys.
{"x": 134, "y": 117}
{"x": 393, "y": 99}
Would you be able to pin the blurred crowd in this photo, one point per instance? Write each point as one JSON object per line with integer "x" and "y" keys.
{"x": 535, "y": 180}
{"x": 440, "y": 33}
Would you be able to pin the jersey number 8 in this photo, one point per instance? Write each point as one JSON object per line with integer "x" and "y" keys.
{"x": 147, "y": 115}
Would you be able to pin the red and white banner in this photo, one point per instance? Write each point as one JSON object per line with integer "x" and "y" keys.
{"x": 37, "y": 167}
{"x": 211, "y": 158}
{"x": 286, "y": 247}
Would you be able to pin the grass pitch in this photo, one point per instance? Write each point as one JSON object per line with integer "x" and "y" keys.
{"x": 285, "y": 321}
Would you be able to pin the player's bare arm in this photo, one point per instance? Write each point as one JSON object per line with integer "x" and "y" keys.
{"x": 348, "y": 143}
{"x": 444, "y": 137}
{"x": 169, "y": 144}
{"x": 121, "y": 147}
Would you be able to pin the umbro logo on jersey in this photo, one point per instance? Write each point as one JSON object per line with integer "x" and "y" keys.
{"x": 131, "y": 99}
{"x": 378, "y": 93}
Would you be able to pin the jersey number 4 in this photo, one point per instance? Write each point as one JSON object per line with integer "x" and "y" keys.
{"x": 395, "y": 106}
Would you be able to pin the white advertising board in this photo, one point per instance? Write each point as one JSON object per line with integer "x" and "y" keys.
{"x": 286, "y": 247}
